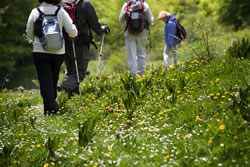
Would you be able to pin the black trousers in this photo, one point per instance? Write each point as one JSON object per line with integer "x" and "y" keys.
{"x": 48, "y": 67}
{"x": 70, "y": 83}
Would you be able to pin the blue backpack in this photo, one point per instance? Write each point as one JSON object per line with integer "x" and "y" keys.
{"x": 49, "y": 31}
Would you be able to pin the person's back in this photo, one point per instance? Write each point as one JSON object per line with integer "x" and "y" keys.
{"x": 86, "y": 20}
{"x": 170, "y": 37}
{"x": 136, "y": 42}
{"x": 48, "y": 62}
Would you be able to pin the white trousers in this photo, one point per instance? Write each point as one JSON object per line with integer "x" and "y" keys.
{"x": 136, "y": 54}
{"x": 166, "y": 53}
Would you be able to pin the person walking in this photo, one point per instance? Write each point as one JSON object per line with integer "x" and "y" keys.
{"x": 171, "y": 40}
{"x": 48, "y": 62}
{"x": 86, "y": 20}
{"x": 136, "y": 41}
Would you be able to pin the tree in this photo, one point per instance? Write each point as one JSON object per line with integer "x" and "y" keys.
{"x": 13, "y": 17}
{"x": 228, "y": 12}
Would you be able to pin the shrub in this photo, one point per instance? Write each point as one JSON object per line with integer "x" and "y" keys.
{"x": 239, "y": 48}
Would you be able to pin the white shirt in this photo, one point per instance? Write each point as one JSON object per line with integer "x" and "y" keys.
{"x": 148, "y": 17}
{"x": 64, "y": 22}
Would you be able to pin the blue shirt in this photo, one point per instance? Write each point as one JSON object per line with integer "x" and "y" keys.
{"x": 170, "y": 32}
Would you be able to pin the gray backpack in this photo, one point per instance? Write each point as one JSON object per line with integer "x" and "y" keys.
{"x": 51, "y": 38}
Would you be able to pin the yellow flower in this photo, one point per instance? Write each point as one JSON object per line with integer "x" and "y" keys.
{"x": 209, "y": 125}
{"x": 72, "y": 138}
{"x": 110, "y": 149}
{"x": 185, "y": 137}
{"x": 155, "y": 154}
{"x": 222, "y": 102}
{"x": 167, "y": 156}
{"x": 160, "y": 113}
{"x": 38, "y": 145}
{"x": 28, "y": 156}
{"x": 169, "y": 109}
{"x": 210, "y": 141}
{"x": 46, "y": 164}
{"x": 222, "y": 127}
{"x": 52, "y": 163}
{"x": 198, "y": 118}
{"x": 20, "y": 134}
{"x": 236, "y": 137}
{"x": 161, "y": 118}
{"x": 1, "y": 99}
{"x": 218, "y": 120}
{"x": 211, "y": 94}
{"x": 218, "y": 94}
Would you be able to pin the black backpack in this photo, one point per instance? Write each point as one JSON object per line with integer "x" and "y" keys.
{"x": 135, "y": 16}
{"x": 180, "y": 31}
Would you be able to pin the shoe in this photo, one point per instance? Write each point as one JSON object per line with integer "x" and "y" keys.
{"x": 59, "y": 88}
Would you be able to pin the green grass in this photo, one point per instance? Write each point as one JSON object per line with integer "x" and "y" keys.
{"x": 193, "y": 114}
{"x": 181, "y": 116}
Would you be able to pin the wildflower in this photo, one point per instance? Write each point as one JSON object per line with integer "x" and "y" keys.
{"x": 169, "y": 109}
{"x": 185, "y": 137}
{"x": 38, "y": 145}
{"x": 198, "y": 118}
{"x": 212, "y": 82}
{"x": 167, "y": 156}
{"x": 209, "y": 125}
{"x": 110, "y": 149}
{"x": 1, "y": 99}
{"x": 46, "y": 164}
{"x": 236, "y": 137}
{"x": 155, "y": 154}
{"x": 72, "y": 138}
{"x": 218, "y": 94}
{"x": 222, "y": 127}
{"x": 160, "y": 113}
{"x": 20, "y": 134}
{"x": 28, "y": 156}
{"x": 218, "y": 120}
{"x": 217, "y": 80}
{"x": 222, "y": 102}
{"x": 210, "y": 141}
{"x": 161, "y": 118}
{"x": 211, "y": 94}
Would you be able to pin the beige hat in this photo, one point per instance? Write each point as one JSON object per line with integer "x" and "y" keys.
{"x": 164, "y": 15}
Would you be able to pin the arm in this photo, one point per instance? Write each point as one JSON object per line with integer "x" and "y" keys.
{"x": 171, "y": 31}
{"x": 148, "y": 14}
{"x": 30, "y": 27}
{"x": 92, "y": 18}
{"x": 123, "y": 14}
{"x": 70, "y": 28}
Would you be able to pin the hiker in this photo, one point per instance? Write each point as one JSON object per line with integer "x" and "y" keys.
{"x": 48, "y": 62}
{"x": 170, "y": 37}
{"x": 86, "y": 20}
{"x": 136, "y": 39}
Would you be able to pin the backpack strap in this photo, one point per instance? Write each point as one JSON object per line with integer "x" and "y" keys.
{"x": 55, "y": 14}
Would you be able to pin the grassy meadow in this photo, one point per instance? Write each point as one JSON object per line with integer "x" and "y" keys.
{"x": 193, "y": 114}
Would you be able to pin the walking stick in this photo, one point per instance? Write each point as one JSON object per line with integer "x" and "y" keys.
{"x": 99, "y": 61}
{"x": 150, "y": 45}
{"x": 100, "y": 55}
{"x": 77, "y": 72}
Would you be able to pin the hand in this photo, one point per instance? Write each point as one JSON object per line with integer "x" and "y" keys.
{"x": 105, "y": 28}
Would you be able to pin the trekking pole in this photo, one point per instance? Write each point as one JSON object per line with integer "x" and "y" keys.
{"x": 150, "y": 45}
{"x": 77, "y": 72}
{"x": 99, "y": 61}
